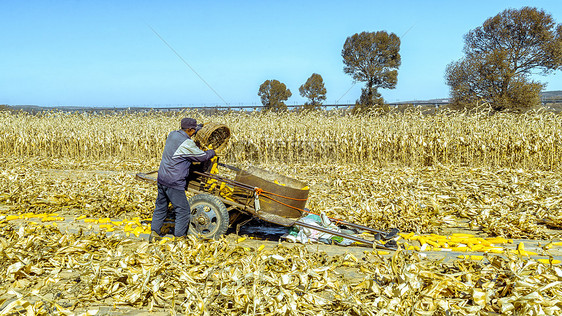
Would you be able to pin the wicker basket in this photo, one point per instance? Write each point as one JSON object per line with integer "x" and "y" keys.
{"x": 216, "y": 135}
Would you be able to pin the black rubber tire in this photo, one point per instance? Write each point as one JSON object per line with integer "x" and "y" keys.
{"x": 209, "y": 217}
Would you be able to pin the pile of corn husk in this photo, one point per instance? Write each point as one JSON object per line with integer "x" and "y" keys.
{"x": 500, "y": 202}
{"x": 24, "y": 188}
{"x": 46, "y": 271}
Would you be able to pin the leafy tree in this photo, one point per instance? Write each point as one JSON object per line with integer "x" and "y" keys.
{"x": 368, "y": 102}
{"x": 372, "y": 58}
{"x": 273, "y": 94}
{"x": 500, "y": 57}
{"x": 314, "y": 91}
{"x": 3, "y": 107}
{"x": 472, "y": 79}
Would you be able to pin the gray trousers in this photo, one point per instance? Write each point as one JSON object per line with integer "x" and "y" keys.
{"x": 178, "y": 199}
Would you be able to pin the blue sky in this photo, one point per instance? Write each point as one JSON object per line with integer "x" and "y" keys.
{"x": 103, "y": 53}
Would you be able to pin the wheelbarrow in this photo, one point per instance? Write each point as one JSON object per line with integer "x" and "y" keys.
{"x": 219, "y": 201}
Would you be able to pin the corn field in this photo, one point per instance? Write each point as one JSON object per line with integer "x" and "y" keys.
{"x": 497, "y": 176}
{"x": 530, "y": 141}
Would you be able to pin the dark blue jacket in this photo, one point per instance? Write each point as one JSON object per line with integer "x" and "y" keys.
{"x": 179, "y": 152}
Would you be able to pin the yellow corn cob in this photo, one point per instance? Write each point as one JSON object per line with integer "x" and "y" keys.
{"x": 471, "y": 257}
{"x": 137, "y": 231}
{"x": 406, "y": 236}
{"x": 493, "y": 249}
{"x": 497, "y": 240}
{"x": 433, "y": 243}
{"x": 521, "y": 249}
{"x": 165, "y": 240}
{"x": 213, "y": 185}
{"x": 477, "y": 247}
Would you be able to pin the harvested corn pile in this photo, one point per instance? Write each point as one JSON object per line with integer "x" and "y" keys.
{"x": 129, "y": 227}
{"x": 50, "y": 272}
{"x": 459, "y": 242}
{"x": 454, "y": 243}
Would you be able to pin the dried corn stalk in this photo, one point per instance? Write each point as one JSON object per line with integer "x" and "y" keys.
{"x": 45, "y": 270}
{"x": 527, "y": 141}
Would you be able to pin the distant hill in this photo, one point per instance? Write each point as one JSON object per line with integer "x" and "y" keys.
{"x": 552, "y": 94}
{"x": 545, "y": 96}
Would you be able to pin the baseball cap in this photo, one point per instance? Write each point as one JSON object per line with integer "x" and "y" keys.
{"x": 187, "y": 123}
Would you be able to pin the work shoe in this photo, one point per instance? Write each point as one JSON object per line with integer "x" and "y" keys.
{"x": 154, "y": 237}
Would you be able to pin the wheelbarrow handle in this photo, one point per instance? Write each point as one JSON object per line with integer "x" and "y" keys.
{"x": 340, "y": 234}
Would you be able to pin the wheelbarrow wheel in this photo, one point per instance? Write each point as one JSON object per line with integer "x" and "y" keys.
{"x": 209, "y": 217}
